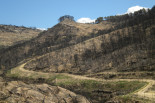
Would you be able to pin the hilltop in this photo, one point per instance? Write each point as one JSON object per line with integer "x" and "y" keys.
{"x": 11, "y": 35}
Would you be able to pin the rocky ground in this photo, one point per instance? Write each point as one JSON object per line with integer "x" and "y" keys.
{"x": 20, "y": 92}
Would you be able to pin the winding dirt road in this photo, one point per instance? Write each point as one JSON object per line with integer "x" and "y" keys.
{"x": 143, "y": 92}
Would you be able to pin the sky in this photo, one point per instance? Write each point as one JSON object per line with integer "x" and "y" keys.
{"x": 45, "y": 13}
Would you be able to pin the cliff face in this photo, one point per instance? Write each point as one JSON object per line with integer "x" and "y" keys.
{"x": 83, "y": 48}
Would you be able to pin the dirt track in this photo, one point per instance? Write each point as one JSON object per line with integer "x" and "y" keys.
{"x": 142, "y": 92}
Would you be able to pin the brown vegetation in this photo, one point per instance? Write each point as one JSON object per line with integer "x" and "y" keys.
{"x": 11, "y": 35}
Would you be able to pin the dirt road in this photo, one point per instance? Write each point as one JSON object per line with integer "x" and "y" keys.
{"x": 143, "y": 92}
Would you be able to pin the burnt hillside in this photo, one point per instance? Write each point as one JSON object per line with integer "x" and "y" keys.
{"x": 113, "y": 45}
{"x": 11, "y": 35}
{"x": 60, "y": 36}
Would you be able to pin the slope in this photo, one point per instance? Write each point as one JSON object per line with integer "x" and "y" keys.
{"x": 127, "y": 46}
{"x": 21, "y": 73}
{"x": 11, "y": 35}
{"x": 85, "y": 48}
{"x": 115, "y": 51}
{"x": 57, "y": 37}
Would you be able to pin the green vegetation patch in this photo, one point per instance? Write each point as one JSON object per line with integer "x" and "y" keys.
{"x": 133, "y": 99}
{"x": 153, "y": 88}
{"x": 85, "y": 84}
{"x": 58, "y": 77}
{"x": 97, "y": 90}
{"x": 13, "y": 75}
{"x": 44, "y": 77}
{"x": 125, "y": 87}
{"x": 120, "y": 86}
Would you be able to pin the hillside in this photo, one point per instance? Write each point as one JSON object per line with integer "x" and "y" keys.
{"x": 60, "y": 36}
{"x": 111, "y": 61}
{"x": 88, "y": 48}
{"x": 11, "y": 35}
{"x": 114, "y": 51}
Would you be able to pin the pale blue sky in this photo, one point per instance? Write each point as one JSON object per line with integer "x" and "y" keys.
{"x": 45, "y": 13}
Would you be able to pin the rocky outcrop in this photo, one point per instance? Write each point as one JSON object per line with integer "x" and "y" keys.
{"x": 16, "y": 91}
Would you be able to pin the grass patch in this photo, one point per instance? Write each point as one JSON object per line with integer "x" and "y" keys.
{"x": 133, "y": 99}
{"x": 9, "y": 74}
{"x": 86, "y": 84}
{"x": 87, "y": 88}
{"x": 125, "y": 87}
{"x": 43, "y": 77}
{"x": 153, "y": 88}
{"x": 61, "y": 76}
